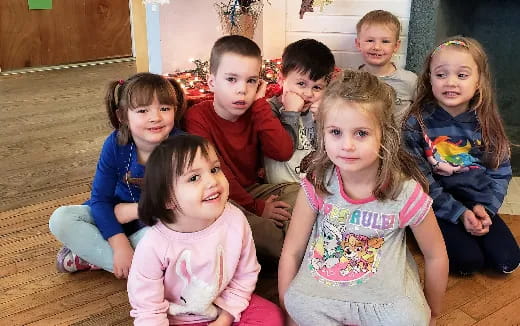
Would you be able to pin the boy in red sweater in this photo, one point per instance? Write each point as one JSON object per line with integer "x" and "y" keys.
{"x": 241, "y": 126}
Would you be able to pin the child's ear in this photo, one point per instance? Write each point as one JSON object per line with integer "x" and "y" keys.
{"x": 281, "y": 79}
{"x": 170, "y": 204}
{"x": 358, "y": 45}
{"x": 397, "y": 45}
{"x": 211, "y": 82}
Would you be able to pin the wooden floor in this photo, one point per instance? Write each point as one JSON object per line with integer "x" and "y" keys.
{"x": 53, "y": 125}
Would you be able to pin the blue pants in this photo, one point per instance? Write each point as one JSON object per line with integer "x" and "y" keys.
{"x": 468, "y": 253}
{"x": 74, "y": 227}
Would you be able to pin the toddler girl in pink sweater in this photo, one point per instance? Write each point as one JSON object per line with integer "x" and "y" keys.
{"x": 197, "y": 264}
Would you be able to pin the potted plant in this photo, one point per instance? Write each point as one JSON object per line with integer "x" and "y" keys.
{"x": 239, "y": 16}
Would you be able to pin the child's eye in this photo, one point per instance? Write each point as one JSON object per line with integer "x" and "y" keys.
{"x": 141, "y": 111}
{"x": 440, "y": 75}
{"x": 387, "y": 41}
{"x": 166, "y": 108}
{"x": 317, "y": 88}
{"x": 463, "y": 76}
{"x": 215, "y": 170}
{"x": 335, "y": 132}
{"x": 301, "y": 84}
{"x": 361, "y": 133}
{"x": 252, "y": 81}
{"x": 231, "y": 79}
{"x": 369, "y": 41}
{"x": 194, "y": 178}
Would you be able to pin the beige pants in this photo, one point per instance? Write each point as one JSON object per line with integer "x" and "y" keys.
{"x": 267, "y": 235}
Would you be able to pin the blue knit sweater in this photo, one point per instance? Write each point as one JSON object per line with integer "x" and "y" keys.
{"x": 450, "y": 156}
{"x": 109, "y": 187}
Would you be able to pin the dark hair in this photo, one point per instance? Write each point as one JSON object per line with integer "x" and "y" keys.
{"x": 380, "y": 17}
{"x": 495, "y": 144}
{"x": 308, "y": 56}
{"x": 232, "y": 44}
{"x": 168, "y": 161}
{"x": 137, "y": 91}
{"x": 376, "y": 98}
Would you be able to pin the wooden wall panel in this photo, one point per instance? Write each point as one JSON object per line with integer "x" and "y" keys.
{"x": 72, "y": 31}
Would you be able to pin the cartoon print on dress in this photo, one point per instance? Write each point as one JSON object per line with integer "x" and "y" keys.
{"x": 341, "y": 258}
{"x": 197, "y": 296}
{"x": 448, "y": 157}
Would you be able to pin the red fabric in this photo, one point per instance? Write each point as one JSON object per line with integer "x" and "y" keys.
{"x": 242, "y": 144}
{"x": 260, "y": 312}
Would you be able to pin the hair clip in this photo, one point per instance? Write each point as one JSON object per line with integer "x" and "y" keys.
{"x": 121, "y": 81}
{"x": 448, "y": 43}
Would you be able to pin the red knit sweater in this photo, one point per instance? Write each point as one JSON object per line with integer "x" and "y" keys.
{"x": 242, "y": 144}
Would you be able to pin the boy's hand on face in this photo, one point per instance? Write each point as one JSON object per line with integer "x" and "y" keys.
{"x": 276, "y": 210}
{"x": 292, "y": 102}
{"x": 314, "y": 108}
{"x": 262, "y": 87}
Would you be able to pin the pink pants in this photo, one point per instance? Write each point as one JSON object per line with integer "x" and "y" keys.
{"x": 260, "y": 312}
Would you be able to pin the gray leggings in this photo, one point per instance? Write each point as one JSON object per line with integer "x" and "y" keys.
{"x": 74, "y": 227}
{"x": 309, "y": 310}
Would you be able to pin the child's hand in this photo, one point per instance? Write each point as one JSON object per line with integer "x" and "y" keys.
{"x": 481, "y": 213}
{"x": 126, "y": 212}
{"x": 262, "y": 87}
{"x": 122, "y": 261}
{"x": 314, "y": 107}
{"x": 292, "y": 102}
{"x": 276, "y": 210}
{"x": 224, "y": 319}
{"x": 472, "y": 224}
{"x": 122, "y": 256}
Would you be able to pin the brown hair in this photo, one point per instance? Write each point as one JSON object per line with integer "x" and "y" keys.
{"x": 375, "y": 97}
{"x": 308, "y": 56}
{"x": 168, "y": 161}
{"x": 496, "y": 146}
{"x": 232, "y": 44}
{"x": 137, "y": 91}
{"x": 380, "y": 17}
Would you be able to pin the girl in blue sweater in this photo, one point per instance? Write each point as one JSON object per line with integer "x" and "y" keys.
{"x": 101, "y": 233}
{"x": 456, "y": 133}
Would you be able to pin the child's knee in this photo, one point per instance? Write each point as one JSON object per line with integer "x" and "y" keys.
{"x": 62, "y": 219}
{"x": 467, "y": 264}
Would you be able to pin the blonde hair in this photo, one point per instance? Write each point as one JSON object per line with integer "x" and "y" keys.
{"x": 496, "y": 146}
{"x": 376, "y": 98}
{"x": 380, "y": 17}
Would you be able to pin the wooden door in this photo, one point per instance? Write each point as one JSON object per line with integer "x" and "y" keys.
{"x": 72, "y": 31}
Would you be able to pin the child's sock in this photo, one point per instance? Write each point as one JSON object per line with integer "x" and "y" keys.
{"x": 68, "y": 262}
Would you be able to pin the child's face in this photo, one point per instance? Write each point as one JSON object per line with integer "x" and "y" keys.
{"x": 454, "y": 77}
{"x": 235, "y": 85}
{"x": 352, "y": 139}
{"x": 309, "y": 90}
{"x": 377, "y": 43}
{"x": 151, "y": 124}
{"x": 201, "y": 192}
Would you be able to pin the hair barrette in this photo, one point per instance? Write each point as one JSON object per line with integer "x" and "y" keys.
{"x": 121, "y": 81}
{"x": 448, "y": 43}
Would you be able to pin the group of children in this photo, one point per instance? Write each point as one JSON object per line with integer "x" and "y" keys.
{"x": 350, "y": 161}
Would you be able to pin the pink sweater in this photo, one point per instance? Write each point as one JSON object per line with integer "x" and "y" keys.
{"x": 179, "y": 278}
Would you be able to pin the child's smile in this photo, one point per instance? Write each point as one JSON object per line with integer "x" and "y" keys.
{"x": 201, "y": 192}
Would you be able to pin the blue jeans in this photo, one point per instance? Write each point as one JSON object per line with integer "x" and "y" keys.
{"x": 74, "y": 227}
